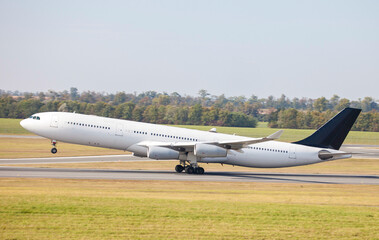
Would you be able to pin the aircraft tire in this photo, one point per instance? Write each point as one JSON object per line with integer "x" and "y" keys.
{"x": 54, "y": 150}
{"x": 179, "y": 168}
{"x": 190, "y": 170}
{"x": 200, "y": 170}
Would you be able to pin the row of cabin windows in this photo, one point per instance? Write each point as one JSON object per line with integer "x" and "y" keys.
{"x": 166, "y": 136}
{"x": 35, "y": 117}
{"x": 88, "y": 125}
{"x": 139, "y": 132}
{"x": 268, "y": 149}
{"x": 175, "y": 137}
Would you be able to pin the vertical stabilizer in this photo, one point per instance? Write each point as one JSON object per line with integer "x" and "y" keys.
{"x": 333, "y": 133}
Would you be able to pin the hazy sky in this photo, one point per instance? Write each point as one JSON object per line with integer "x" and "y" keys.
{"x": 299, "y": 48}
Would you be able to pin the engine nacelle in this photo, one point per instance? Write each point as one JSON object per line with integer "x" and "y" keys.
{"x": 207, "y": 150}
{"x": 213, "y": 159}
{"x": 162, "y": 153}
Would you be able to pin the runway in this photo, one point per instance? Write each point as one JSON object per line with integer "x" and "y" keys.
{"x": 366, "y": 151}
{"x": 362, "y": 151}
{"x": 22, "y": 172}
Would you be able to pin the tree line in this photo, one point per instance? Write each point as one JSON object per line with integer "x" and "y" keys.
{"x": 154, "y": 113}
{"x": 204, "y": 109}
{"x": 295, "y": 119}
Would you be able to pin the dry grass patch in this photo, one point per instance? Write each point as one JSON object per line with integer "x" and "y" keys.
{"x": 104, "y": 209}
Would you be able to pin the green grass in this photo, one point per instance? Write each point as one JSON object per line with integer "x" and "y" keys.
{"x": 28, "y": 147}
{"x": 96, "y": 209}
{"x": 12, "y": 126}
{"x": 262, "y": 125}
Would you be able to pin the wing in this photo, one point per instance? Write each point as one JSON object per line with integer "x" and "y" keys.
{"x": 228, "y": 144}
{"x": 237, "y": 144}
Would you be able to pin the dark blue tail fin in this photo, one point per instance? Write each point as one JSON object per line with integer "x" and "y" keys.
{"x": 333, "y": 133}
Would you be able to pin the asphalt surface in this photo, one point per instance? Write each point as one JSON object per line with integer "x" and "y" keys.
{"x": 362, "y": 151}
{"x": 173, "y": 176}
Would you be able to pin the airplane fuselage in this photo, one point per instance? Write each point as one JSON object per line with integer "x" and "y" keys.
{"x": 127, "y": 135}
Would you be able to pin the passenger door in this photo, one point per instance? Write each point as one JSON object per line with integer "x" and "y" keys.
{"x": 54, "y": 121}
{"x": 119, "y": 130}
{"x": 292, "y": 152}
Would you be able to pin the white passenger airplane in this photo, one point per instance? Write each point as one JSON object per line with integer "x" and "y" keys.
{"x": 191, "y": 147}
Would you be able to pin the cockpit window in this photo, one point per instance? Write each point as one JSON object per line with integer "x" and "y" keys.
{"x": 35, "y": 117}
{"x": 38, "y": 118}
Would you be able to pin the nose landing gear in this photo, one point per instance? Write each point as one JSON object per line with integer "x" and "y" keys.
{"x": 54, "y": 149}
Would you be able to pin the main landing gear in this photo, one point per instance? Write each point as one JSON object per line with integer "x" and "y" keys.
{"x": 189, "y": 169}
{"x": 54, "y": 149}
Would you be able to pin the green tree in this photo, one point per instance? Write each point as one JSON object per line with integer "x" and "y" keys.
{"x": 320, "y": 104}
{"x": 195, "y": 114}
{"x": 288, "y": 118}
{"x": 343, "y": 103}
{"x": 120, "y": 98}
{"x": 238, "y": 119}
{"x": 334, "y": 101}
{"x": 210, "y": 116}
{"x": 138, "y": 113}
{"x": 74, "y": 94}
{"x": 181, "y": 115}
{"x": 25, "y": 108}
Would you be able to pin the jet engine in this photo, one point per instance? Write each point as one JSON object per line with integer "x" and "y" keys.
{"x": 162, "y": 153}
{"x": 208, "y": 150}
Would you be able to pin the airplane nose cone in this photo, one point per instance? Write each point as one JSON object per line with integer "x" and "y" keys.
{"x": 24, "y": 124}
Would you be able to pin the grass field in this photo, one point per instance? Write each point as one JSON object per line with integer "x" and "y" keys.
{"x": 106, "y": 209}
{"x": 30, "y": 148}
{"x": 97, "y": 209}
{"x": 12, "y": 126}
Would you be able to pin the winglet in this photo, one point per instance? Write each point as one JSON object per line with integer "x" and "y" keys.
{"x": 275, "y": 135}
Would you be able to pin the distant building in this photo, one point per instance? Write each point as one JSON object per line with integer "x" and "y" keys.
{"x": 266, "y": 111}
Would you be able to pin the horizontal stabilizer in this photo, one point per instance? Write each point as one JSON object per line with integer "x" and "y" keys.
{"x": 325, "y": 155}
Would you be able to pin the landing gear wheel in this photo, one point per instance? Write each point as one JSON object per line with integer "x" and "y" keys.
{"x": 200, "y": 170}
{"x": 54, "y": 149}
{"x": 190, "y": 170}
{"x": 179, "y": 168}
